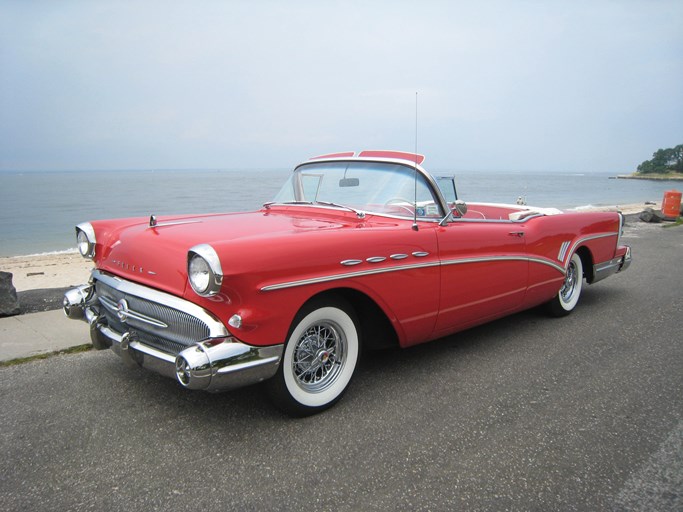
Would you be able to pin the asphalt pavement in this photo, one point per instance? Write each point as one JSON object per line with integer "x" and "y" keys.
{"x": 525, "y": 413}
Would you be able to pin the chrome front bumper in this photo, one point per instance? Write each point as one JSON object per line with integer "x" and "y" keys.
{"x": 218, "y": 363}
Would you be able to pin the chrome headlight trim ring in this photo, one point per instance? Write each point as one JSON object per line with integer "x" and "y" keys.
{"x": 215, "y": 271}
{"x": 87, "y": 249}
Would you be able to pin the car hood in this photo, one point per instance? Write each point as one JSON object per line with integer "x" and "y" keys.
{"x": 157, "y": 255}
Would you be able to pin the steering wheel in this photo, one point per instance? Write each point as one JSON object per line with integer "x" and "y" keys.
{"x": 399, "y": 201}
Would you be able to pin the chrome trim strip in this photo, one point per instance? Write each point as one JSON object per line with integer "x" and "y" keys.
{"x": 420, "y": 254}
{"x": 581, "y": 240}
{"x": 601, "y": 267}
{"x": 531, "y": 259}
{"x": 361, "y": 273}
{"x": 251, "y": 364}
{"x": 552, "y": 264}
{"x": 173, "y": 223}
{"x": 216, "y": 327}
{"x": 349, "y": 275}
{"x": 606, "y": 269}
{"x": 613, "y": 266}
{"x": 398, "y": 256}
{"x": 506, "y": 258}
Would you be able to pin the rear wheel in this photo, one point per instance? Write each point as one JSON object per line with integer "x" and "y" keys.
{"x": 319, "y": 359}
{"x": 568, "y": 296}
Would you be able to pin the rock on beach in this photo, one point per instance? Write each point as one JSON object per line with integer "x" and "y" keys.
{"x": 9, "y": 303}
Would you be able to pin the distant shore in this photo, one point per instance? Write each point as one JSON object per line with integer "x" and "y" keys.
{"x": 66, "y": 269}
{"x": 650, "y": 177}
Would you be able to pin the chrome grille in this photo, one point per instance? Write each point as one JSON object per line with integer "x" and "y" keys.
{"x": 183, "y": 329}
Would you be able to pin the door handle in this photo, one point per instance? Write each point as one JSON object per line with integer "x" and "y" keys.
{"x": 516, "y": 233}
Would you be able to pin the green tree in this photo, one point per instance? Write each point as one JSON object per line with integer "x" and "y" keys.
{"x": 663, "y": 161}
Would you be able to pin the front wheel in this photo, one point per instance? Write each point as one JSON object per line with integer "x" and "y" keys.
{"x": 568, "y": 296}
{"x": 319, "y": 359}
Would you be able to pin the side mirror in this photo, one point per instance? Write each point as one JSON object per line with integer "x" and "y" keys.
{"x": 459, "y": 208}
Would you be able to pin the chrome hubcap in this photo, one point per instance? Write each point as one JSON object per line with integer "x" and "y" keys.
{"x": 569, "y": 283}
{"x": 319, "y": 357}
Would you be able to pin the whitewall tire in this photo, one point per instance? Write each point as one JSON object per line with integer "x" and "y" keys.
{"x": 570, "y": 293}
{"x": 319, "y": 359}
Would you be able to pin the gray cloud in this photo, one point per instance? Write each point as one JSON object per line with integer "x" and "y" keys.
{"x": 502, "y": 85}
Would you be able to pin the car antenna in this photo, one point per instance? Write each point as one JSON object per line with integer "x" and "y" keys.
{"x": 415, "y": 226}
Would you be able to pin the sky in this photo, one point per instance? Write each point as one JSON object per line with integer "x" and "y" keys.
{"x": 548, "y": 85}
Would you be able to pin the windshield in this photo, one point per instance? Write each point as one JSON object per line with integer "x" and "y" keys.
{"x": 376, "y": 187}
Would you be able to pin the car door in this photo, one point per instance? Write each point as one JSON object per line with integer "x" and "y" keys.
{"x": 484, "y": 272}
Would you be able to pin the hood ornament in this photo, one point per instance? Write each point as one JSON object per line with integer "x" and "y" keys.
{"x": 152, "y": 221}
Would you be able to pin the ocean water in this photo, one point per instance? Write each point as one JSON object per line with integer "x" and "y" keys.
{"x": 38, "y": 209}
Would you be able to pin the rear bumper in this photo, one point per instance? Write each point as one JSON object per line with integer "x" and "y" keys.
{"x": 214, "y": 364}
{"x": 613, "y": 266}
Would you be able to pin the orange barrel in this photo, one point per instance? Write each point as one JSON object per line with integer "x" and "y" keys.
{"x": 671, "y": 204}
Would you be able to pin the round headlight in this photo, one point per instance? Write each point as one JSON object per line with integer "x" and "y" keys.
{"x": 85, "y": 240}
{"x": 83, "y": 243}
{"x": 199, "y": 273}
{"x": 204, "y": 270}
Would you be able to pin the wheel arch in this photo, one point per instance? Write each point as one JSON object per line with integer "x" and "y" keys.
{"x": 375, "y": 328}
{"x": 587, "y": 261}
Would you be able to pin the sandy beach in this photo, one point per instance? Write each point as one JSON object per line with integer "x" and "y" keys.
{"x": 70, "y": 269}
{"x": 47, "y": 270}
{"x": 626, "y": 209}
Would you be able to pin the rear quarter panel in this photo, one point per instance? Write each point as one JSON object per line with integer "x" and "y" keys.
{"x": 552, "y": 240}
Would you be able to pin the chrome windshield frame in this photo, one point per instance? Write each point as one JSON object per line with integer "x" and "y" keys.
{"x": 430, "y": 181}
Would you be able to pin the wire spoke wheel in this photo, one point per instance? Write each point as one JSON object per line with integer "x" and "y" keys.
{"x": 568, "y": 297}
{"x": 319, "y": 358}
{"x": 570, "y": 283}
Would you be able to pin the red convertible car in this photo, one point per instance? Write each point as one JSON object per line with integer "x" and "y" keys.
{"x": 357, "y": 251}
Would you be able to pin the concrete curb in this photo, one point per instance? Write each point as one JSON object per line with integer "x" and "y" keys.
{"x": 39, "y": 333}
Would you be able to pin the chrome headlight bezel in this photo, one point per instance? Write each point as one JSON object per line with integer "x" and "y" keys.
{"x": 85, "y": 240}
{"x": 204, "y": 271}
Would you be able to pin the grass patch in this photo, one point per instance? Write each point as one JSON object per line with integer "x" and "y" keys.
{"x": 677, "y": 222}
{"x": 72, "y": 350}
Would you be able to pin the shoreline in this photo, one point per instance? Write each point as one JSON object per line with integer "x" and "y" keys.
{"x": 656, "y": 177}
{"x": 64, "y": 269}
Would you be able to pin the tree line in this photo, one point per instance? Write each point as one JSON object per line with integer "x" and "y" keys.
{"x": 664, "y": 161}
